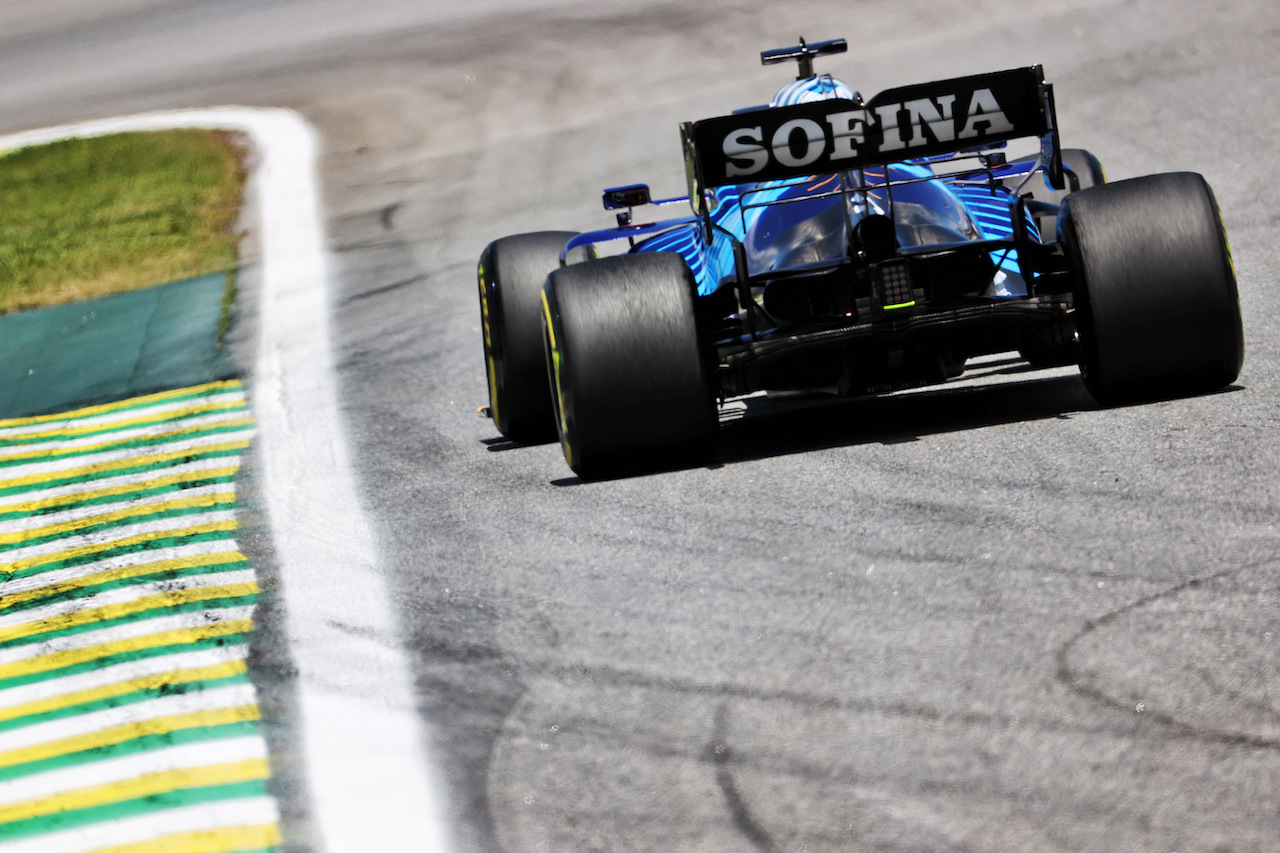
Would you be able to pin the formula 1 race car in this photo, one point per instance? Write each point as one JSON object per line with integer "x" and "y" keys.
{"x": 851, "y": 247}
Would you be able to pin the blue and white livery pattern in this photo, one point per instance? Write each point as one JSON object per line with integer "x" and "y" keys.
{"x": 987, "y": 209}
{"x": 809, "y": 89}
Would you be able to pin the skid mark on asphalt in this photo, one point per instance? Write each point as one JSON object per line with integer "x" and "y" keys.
{"x": 127, "y": 720}
{"x": 1078, "y": 682}
{"x": 722, "y": 758}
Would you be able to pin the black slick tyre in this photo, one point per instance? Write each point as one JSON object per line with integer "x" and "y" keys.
{"x": 630, "y": 377}
{"x": 510, "y": 276}
{"x": 1155, "y": 291}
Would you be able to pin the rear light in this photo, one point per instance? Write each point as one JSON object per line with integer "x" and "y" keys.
{"x": 891, "y": 283}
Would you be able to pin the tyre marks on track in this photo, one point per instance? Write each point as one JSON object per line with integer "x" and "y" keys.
{"x": 127, "y": 720}
{"x": 723, "y": 759}
{"x": 1109, "y": 695}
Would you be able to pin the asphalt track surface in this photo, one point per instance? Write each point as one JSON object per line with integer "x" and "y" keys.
{"x": 990, "y": 616}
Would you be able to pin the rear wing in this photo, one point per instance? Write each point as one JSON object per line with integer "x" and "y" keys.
{"x": 906, "y": 123}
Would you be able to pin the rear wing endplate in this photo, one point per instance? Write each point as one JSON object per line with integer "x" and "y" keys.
{"x": 835, "y": 135}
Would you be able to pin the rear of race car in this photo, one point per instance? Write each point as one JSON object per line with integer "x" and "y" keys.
{"x": 880, "y": 245}
{"x": 844, "y": 246}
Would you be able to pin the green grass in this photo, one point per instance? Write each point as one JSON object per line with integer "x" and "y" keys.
{"x": 91, "y": 217}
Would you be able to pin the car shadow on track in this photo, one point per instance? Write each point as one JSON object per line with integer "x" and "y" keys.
{"x": 771, "y": 427}
{"x": 767, "y": 427}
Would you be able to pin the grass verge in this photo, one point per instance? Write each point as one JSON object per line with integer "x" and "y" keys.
{"x": 90, "y": 217}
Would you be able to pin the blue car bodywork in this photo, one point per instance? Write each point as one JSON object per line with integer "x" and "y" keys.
{"x": 785, "y": 225}
{"x": 805, "y": 256}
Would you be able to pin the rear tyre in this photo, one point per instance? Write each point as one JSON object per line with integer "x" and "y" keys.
{"x": 632, "y": 388}
{"x": 510, "y": 276}
{"x": 1155, "y": 291}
